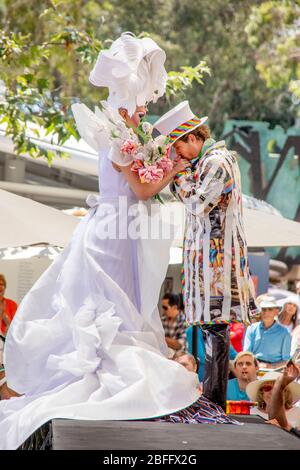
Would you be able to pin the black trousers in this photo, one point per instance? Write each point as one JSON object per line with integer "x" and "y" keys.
{"x": 216, "y": 367}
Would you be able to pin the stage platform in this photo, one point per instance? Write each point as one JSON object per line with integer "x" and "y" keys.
{"x": 254, "y": 434}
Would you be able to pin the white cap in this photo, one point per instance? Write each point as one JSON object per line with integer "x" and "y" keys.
{"x": 133, "y": 70}
{"x": 179, "y": 121}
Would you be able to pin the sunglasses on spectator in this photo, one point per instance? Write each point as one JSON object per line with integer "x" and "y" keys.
{"x": 267, "y": 388}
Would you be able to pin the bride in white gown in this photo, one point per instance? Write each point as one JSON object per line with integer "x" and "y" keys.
{"x": 87, "y": 341}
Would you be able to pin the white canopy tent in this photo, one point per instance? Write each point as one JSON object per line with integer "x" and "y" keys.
{"x": 25, "y": 222}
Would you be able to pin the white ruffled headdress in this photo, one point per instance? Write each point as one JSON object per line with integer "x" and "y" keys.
{"x": 133, "y": 70}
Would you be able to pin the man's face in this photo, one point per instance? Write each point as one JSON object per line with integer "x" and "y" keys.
{"x": 245, "y": 369}
{"x": 171, "y": 312}
{"x": 189, "y": 149}
{"x": 2, "y": 288}
{"x": 268, "y": 314}
{"x": 186, "y": 362}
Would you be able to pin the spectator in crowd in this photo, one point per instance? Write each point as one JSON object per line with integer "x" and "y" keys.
{"x": 201, "y": 350}
{"x": 173, "y": 321}
{"x": 8, "y": 308}
{"x": 269, "y": 341}
{"x": 236, "y": 332}
{"x": 186, "y": 360}
{"x": 289, "y": 315}
{"x": 287, "y": 390}
{"x": 201, "y": 411}
{"x": 245, "y": 369}
{"x": 277, "y": 409}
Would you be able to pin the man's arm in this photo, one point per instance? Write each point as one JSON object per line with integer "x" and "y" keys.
{"x": 248, "y": 340}
{"x": 173, "y": 343}
{"x": 286, "y": 347}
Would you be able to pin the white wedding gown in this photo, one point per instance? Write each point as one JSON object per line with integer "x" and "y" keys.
{"x": 87, "y": 341}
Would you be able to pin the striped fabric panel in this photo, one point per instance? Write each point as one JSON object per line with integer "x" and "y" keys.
{"x": 229, "y": 185}
{"x": 183, "y": 128}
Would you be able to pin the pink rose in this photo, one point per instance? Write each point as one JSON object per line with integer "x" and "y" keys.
{"x": 137, "y": 165}
{"x": 165, "y": 164}
{"x": 151, "y": 174}
{"x": 129, "y": 147}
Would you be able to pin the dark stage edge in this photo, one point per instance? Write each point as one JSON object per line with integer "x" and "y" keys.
{"x": 255, "y": 434}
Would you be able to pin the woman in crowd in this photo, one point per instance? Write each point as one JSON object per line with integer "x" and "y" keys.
{"x": 8, "y": 308}
{"x": 261, "y": 390}
{"x": 289, "y": 315}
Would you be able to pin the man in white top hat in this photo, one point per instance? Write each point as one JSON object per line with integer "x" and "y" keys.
{"x": 216, "y": 276}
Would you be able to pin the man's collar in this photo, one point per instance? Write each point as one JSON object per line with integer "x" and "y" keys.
{"x": 269, "y": 327}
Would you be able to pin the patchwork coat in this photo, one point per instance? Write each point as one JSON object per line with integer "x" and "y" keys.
{"x": 215, "y": 275}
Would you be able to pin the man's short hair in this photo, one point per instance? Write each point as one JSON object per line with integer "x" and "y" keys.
{"x": 191, "y": 358}
{"x": 246, "y": 353}
{"x": 173, "y": 300}
{"x": 201, "y": 132}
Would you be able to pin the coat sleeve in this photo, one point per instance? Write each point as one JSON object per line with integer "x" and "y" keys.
{"x": 202, "y": 189}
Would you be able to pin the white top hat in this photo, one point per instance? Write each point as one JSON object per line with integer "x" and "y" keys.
{"x": 133, "y": 70}
{"x": 179, "y": 121}
{"x": 253, "y": 387}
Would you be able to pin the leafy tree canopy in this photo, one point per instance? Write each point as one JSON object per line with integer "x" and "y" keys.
{"x": 47, "y": 49}
{"x": 274, "y": 32}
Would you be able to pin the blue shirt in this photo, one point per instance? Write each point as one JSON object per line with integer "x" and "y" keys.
{"x": 234, "y": 392}
{"x": 269, "y": 345}
{"x": 201, "y": 350}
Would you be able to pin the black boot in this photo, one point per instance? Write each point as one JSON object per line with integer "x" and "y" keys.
{"x": 216, "y": 367}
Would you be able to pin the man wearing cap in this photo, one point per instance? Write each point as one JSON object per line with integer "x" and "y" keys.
{"x": 216, "y": 276}
{"x": 269, "y": 341}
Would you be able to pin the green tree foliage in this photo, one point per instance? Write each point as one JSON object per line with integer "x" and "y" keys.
{"x": 213, "y": 31}
{"x": 47, "y": 49}
{"x": 46, "y": 52}
{"x": 274, "y": 32}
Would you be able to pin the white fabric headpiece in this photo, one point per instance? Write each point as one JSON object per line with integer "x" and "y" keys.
{"x": 133, "y": 70}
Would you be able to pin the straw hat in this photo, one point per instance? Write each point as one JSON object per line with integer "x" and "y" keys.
{"x": 253, "y": 387}
{"x": 179, "y": 121}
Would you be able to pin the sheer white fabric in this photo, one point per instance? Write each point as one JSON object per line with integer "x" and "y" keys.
{"x": 87, "y": 341}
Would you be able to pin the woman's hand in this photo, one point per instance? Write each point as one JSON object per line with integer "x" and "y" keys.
{"x": 6, "y": 393}
{"x": 290, "y": 373}
{"x": 116, "y": 167}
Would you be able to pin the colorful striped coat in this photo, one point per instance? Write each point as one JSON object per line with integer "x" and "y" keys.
{"x": 216, "y": 276}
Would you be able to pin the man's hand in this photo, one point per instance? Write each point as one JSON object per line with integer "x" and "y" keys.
{"x": 181, "y": 165}
{"x": 173, "y": 343}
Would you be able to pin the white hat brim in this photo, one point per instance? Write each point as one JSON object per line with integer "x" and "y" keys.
{"x": 253, "y": 387}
